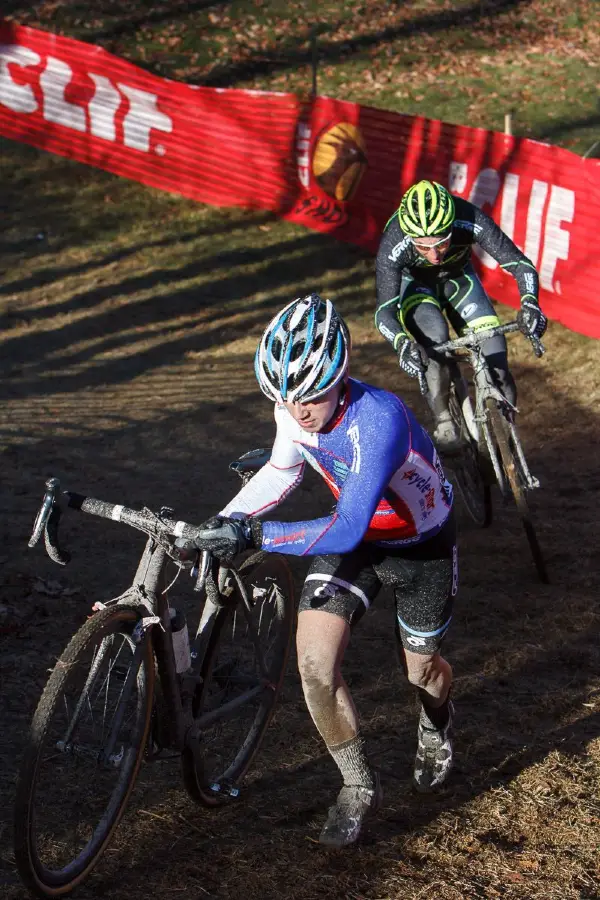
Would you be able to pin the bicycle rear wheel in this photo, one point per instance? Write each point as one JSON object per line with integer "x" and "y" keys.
{"x": 87, "y": 741}
{"x": 466, "y": 466}
{"x": 510, "y": 464}
{"x": 243, "y": 675}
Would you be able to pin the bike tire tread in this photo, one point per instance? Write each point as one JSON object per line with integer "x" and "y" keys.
{"x": 39, "y": 726}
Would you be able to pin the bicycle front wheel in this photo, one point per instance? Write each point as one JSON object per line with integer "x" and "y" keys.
{"x": 87, "y": 741}
{"x": 474, "y": 490}
{"x": 242, "y": 674}
{"x": 510, "y": 464}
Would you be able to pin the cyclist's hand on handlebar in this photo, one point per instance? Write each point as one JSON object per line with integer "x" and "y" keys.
{"x": 410, "y": 358}
{"x": 225, "y": 538}
{"x": 531, "y": 319}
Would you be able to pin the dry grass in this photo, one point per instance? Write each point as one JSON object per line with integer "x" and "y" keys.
{"x": 126, "y": 370}
{"x": 463, "y": 61}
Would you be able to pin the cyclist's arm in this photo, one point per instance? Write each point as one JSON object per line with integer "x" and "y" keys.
{"x": 274, "y": 481}
{"x": 384, "y": 444}
{"x": 395, "y": 251}
{"x": 494, "y": 241}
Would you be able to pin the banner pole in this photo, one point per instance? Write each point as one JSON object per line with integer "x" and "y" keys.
{"x": 314, "y": 60}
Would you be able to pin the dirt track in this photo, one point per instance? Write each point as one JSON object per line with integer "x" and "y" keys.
{"x": 151, "y": 416}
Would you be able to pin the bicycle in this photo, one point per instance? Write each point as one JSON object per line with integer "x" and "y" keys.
{"x": 130, "y": 684}
{"x": 491, "y": 452}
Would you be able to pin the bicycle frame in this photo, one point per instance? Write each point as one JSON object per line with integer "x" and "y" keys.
{"x": 469, "y": 349}
{"x": 148, "y": 592}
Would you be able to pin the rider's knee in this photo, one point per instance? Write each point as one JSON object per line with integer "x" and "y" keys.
{"x": 318, "y": 666}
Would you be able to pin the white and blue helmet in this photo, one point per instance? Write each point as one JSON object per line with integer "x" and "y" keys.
{"x": 303, "y": 352}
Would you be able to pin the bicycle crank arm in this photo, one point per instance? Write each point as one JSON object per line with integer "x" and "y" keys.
{"x": 113, "y": 761}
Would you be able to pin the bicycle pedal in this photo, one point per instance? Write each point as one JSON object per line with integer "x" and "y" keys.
{"x": 223, "y": 789}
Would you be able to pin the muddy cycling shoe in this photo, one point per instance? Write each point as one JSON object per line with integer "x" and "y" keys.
{"x": 354, "y": 804}
{"x": 446, "y": 435}
{"x": 434, "y": 753}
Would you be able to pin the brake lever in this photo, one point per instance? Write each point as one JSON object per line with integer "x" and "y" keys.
{"x": 202, "y": 570}
{"x": 53, "y": 548}
{"x": 47, "y": 521}
{"x": 49, "y": 501}
{"x": 538, "y": 347}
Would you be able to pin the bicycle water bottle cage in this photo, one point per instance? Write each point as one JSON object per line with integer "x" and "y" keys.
{"x": 250, "y": 462}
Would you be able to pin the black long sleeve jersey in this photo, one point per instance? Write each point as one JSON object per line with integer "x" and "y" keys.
{"x": 398, "y": 256}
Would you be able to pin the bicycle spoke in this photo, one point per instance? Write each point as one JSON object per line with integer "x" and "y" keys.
{"x": 245, "y": 663}
{"x": 88, "y": 745}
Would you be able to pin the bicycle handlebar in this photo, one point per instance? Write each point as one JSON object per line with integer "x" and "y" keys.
{"x": 477, "y": 338}
{"x": 144, "y": 519}
{"x": 48, "y": 519}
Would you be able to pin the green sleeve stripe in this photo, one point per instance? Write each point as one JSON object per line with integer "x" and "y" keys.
{"x": 402, "y": 335}
{"x": 519, "y": 262}
{"x": 383, "y": 306}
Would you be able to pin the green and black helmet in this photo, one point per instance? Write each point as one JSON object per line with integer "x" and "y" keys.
{"x": 426, "y": 209}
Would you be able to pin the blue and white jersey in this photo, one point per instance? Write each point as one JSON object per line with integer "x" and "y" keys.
{"x": 379, "y": 463}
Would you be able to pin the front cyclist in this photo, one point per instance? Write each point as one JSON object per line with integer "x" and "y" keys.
{"x": 392, "y": 524}
{"x": 424, "y": 270}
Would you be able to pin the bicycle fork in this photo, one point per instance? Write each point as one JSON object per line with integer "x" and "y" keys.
{"x": 487, "y": 390}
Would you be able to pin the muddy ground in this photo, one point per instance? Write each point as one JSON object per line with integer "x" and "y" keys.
{"x": 100, "y": 392}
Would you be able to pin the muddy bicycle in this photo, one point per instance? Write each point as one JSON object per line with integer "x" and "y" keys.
{"x": 491, "y": 451}
{"x": 132, "y": 685}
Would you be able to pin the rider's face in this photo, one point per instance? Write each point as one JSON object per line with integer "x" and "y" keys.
{"x": 433, "y": 249}
{"x": 316, "y": 414}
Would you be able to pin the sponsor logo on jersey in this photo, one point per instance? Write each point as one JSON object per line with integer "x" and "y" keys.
{"x": 340, "y": 470}
{"x": 354, "y": 435}
{"x": 399, "y": 249}
{"x": 468, "y": 226}
{"x": 444, "y": 485}
{"x": 529, "y": 282}
{"x": 469, "y": 309}
{"x": 385, "y": 331}
{"x": 421, "y": 482}
{"x": 296, "y": 537}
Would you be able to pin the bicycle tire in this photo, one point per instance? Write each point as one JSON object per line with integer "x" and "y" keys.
{"x": 223, "y": 758}
{"x": 41, "y": 829}
{"x": 512, "y": 471}
{"x": 474, "y": 489}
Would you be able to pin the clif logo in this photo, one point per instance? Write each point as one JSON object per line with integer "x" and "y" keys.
{"x": 338, "y": 160}
{"x": 97, "y": 116}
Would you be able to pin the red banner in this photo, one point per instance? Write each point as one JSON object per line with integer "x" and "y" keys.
{"x": 331, "y": 165}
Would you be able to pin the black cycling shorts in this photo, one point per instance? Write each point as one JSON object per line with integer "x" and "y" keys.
{"x": 424, "y": 578}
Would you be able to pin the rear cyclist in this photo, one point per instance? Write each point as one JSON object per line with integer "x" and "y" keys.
{"x": 392, "y": 524}
{"x": 424, "y": 270}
